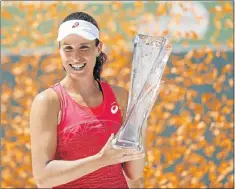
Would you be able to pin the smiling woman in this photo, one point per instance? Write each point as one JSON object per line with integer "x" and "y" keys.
{"x": 73, "y": 122}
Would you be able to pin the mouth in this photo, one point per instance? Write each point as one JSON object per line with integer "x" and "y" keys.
{"x": 77, "y": 66}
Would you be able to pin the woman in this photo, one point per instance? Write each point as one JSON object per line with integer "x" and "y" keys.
{"x": 72, "y": 123}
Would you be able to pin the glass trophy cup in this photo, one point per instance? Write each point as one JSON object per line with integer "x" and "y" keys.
{"x": 150, "y": 55}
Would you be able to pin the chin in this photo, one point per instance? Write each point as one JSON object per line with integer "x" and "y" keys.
{"x": 78, "y": 76}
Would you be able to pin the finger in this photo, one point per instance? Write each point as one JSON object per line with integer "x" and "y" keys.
{"x": 116, "y": 147}
{"x": 133, "y": 157}
{"x": 130, "y": 159}
{"x": 127, "y": 158}
{"x": 127, "y": 149}
{"x": 131, "y": 151}
{"x": 135, "y": 153}
{"x": 132, "y": 154}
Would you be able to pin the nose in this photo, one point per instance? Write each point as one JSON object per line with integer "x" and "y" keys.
{"x": 76, "y": 56}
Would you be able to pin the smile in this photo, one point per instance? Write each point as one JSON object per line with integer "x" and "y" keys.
{"x": 77, "y": 66}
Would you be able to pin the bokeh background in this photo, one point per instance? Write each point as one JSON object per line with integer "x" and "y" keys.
{"x": 190, "y": 133}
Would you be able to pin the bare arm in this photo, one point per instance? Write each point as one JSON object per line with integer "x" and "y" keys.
{"x": 43, "y": 132}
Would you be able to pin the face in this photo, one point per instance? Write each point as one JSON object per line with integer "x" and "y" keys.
{"x": 79, "y": 55}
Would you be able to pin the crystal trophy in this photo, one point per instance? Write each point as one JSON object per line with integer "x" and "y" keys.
{"x": 150, "y": 55}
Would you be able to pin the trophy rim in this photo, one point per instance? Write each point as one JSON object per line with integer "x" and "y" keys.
{"x": 158, "y": 39}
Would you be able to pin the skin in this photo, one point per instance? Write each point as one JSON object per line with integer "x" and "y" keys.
{"x": 45, "y": 117}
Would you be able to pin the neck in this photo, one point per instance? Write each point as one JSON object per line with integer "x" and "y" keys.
{"x": 83, "y": 86}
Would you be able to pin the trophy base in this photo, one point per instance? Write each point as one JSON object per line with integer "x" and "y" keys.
{"x": 128, "y": 145}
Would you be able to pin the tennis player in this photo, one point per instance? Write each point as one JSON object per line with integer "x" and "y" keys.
{"x": 72, "y": 123}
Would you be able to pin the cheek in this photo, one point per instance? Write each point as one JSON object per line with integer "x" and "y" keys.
{"x": 91, "y": 59}
{"x": 64, "y": 56}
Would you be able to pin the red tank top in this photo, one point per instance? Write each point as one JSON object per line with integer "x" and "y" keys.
{"x": 83, "y": 132}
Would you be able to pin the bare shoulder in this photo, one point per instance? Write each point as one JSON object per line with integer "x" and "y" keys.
{"x": 46, "y": 98}
{"x": 45, "y": 107}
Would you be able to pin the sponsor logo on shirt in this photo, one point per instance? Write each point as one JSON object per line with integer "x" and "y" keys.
{"x": 114, "y": 108}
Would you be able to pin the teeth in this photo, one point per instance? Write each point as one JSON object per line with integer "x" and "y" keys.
{"x": 78, "y": 66}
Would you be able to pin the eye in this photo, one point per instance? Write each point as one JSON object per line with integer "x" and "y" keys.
{"x": 84, "y": 48}
{"x": 68, "y": 48}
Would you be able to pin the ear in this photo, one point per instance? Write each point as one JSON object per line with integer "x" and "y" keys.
{"x": 60, "y": 49}
{"x": 99, "y": 48}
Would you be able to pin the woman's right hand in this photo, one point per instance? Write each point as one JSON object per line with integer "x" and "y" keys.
{"x": 112, "y": 155}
